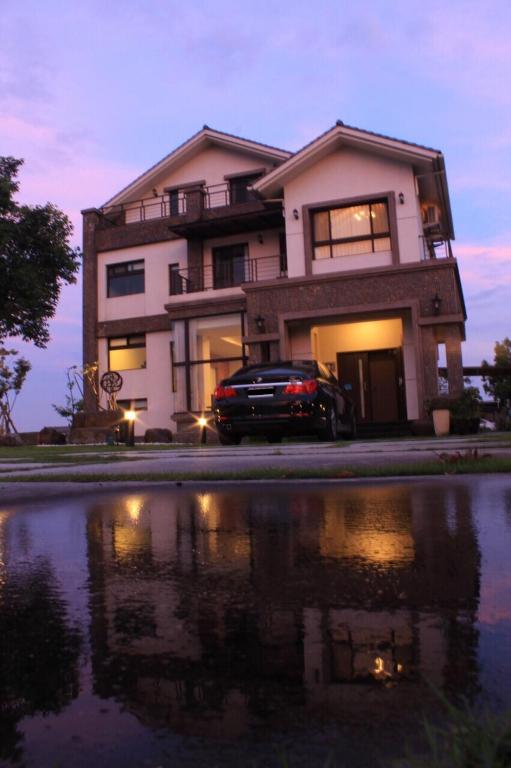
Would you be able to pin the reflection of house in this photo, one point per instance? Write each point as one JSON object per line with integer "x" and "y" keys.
{"x": 215, "y": 606}
{"x": 229, "y": 250}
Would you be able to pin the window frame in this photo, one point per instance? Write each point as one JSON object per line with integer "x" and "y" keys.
{"x": 188, "y": 363}
{"x": 369, "y": 237}
{"x": 138, "y": 345}
{"x": 308, "y": 224}
{"x": 124, "y": 264}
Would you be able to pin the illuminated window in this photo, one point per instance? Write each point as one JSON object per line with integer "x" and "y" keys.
{"x": 125, "y": 279}
{"x": 351, "y": 230}
{"x": 136, "y": 404}
{"x": 126, "y": 353}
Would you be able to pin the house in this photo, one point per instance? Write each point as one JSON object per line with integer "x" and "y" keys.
{"x": 229, "y": 251}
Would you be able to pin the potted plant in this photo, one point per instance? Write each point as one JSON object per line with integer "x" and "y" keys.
{"x": 439, "y": 409}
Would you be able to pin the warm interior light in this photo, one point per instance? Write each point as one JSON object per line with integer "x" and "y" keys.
{"x": 130, "y": 415}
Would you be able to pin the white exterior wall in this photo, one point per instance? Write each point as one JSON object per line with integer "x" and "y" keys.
{"x": 211, "y": 165}
{"x": 345, "y": 174}
{"x": 152, "y": 382}
{"x": 157, "y": 258}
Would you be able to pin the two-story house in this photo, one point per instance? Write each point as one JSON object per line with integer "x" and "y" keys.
{"x": 229, "y": 251}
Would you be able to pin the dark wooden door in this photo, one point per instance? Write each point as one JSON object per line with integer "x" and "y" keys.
{"x": 352, "y": 372}
{"x": 375, "y": 382}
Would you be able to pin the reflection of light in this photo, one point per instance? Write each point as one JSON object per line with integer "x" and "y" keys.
{"x": 231, "y": 340}
{"x": 399, "y": 667}
{"x": 379, "y": 668}
{"x": 205, "y": 503}
{"x": 134, "y": 507}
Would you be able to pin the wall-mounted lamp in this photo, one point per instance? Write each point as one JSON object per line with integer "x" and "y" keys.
{"x": 436, "y": 301}
{"x": 401, "y": 198}
{"x": 260, "y": 239}
{"x": 260, "y": 323}
{"x": 296, "y": 215}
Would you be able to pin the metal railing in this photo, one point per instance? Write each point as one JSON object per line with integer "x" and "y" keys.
{"x": 178, "y": 203}
{"x": 226, "y": 274}
{"x": 435, "y": 249}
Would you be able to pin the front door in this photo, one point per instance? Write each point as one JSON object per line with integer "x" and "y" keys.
{"x": 375, "y": 382}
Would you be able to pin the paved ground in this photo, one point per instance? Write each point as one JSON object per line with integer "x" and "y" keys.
{"x": 286, "y": 456}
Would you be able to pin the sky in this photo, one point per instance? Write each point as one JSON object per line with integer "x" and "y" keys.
{"x": 93, "y": 93}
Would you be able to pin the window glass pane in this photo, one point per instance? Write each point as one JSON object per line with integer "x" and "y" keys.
{"x": 127, "y": 359}
{"x": 350, "y": 222}
{"x": 321, "y": 226}
{"x": 215, "y": 337}
{"x": 382, "y": 244}
{"x": 120, "y": 342}
{"x": 125, "y": 279}
{"x": 205, "y": 377}
{"x": 229, "y": 265}
{"x": 380, "y": 218}
{"x": 322, "y": 252}
{"x": 350, "y": 249}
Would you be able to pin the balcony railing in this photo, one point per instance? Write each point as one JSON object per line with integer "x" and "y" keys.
{"x": 180, "y": 202}
{"x": 227, "y": 274}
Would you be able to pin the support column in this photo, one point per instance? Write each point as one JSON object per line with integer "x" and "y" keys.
{"x": 429, "y": 363}
{"x": 454, "y": 361}
{"x": 90, "y": 301}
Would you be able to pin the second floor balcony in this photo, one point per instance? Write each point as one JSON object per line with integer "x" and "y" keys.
{"x": 226, "y": 273}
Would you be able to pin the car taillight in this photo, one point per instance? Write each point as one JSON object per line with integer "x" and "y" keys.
{"x": 306, "y": 387}
{"x": 222, "y": 392}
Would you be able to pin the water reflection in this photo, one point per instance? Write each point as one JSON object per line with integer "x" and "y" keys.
{"x": 239, "y": 615}
{"x": 218, "y": 607}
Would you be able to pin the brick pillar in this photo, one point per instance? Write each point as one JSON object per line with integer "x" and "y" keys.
{"x": 454, "y": 361}
{"x": 429, "y": 363}
{"x": 90, "y": 300}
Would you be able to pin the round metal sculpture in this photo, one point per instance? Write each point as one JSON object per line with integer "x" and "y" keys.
{"x": 111, "y": 383}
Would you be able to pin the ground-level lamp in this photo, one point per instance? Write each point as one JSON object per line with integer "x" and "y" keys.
{"x": 203, "y": 426}
{"x": 130, "y": 417}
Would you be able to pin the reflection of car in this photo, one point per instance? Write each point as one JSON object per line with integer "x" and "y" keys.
{"x": 283, "y": 398}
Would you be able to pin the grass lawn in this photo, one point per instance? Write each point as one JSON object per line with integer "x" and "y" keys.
{"x": 413, "y": 469}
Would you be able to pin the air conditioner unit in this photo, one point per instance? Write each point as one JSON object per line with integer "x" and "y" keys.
{"x": 431, "y": 216}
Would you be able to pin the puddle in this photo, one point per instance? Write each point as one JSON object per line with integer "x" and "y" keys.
{"x": 224, "y": 627}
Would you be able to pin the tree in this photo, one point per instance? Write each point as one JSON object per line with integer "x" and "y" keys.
{"x": 36, "y": 260}
{"x": 11, "y": 381}
{"x": 499, "y": 387}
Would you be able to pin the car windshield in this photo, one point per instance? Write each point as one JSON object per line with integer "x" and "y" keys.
{"x": 305, "y": 368}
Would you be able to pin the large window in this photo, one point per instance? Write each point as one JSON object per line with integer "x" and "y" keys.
{"x": 215, "y": 351}
{"x": 126, "y": 278}
{"x": 126, "y": 353}
{"x": 350, "y": 230}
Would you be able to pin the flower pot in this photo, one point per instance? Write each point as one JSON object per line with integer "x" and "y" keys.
{"x": 441, "y": 421}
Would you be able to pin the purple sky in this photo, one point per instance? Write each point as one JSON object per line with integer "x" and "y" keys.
{"x": 93, "y": 93}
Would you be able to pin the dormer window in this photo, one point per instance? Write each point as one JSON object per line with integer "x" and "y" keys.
{"x": 350, "y": 230}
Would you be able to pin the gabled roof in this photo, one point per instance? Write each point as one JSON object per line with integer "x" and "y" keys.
{"x": 344, "y": 135}
{"x": 205, "y": 137}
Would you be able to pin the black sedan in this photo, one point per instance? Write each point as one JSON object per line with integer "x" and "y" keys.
{"x": 282, "y": 399}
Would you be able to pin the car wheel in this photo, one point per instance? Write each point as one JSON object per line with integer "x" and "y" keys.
{"x": 330, "y": 430}
{"x": 229, "y": 439}
{"x": 274, "y": 438}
